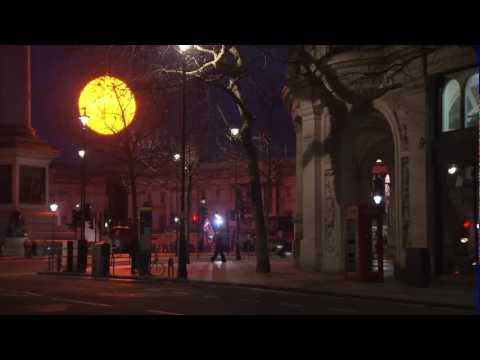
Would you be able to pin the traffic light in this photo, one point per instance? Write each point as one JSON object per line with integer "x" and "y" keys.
{"x": 467, "y": 224}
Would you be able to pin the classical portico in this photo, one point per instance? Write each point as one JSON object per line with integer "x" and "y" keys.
{"x": 24, "y": 158}
{"x": 341, "y": 130}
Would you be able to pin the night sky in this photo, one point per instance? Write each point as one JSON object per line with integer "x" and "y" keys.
{"x": 60, "y": 72}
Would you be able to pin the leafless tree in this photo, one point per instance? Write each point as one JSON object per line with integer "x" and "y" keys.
{"x": 224, "y": 68}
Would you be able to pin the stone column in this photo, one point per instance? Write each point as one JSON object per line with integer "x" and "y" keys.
{"x": 298, "y": 221}
{"x": 15, "y": 88}
{"x": 321, "y": 245}
{"x": 311, "y": 249}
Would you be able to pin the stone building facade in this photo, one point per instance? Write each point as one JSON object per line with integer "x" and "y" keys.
{"x": 215, "y": 183}
{"x": 414, "y": 110}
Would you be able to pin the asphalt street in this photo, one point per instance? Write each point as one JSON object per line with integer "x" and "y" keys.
{"x": 26, "y": 293}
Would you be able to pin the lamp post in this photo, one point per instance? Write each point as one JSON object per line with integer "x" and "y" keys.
{"x": 379, "y": 200}
{"x": 82, "y": 244}
{"x": 234, "y": 132}
{"x": 53, "y": 209}
{"x": 182, "y": 246}
{"x": 51, "y": 266}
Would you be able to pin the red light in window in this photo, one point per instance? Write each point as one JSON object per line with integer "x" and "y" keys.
{"x": 195, "y": 218}
{"x": 467, "y": 224}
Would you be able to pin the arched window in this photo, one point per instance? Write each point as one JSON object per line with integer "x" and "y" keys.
{"x": 472, "y": 101}
{"x": 451, "y": 106}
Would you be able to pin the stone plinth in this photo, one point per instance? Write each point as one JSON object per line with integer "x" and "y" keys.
{"x": 24, "y": 158}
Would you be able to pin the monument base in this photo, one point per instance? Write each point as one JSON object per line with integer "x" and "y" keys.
{"x": 13, "y": 246}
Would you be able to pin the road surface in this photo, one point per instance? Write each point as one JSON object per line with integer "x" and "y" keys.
{"x": 27, "y": 293}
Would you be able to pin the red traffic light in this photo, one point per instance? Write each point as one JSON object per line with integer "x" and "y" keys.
{"x": 467, "y": 224}
{"x": 195, "y": 218}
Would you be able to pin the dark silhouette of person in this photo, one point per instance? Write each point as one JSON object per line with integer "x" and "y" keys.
{"x": 219, "y": 242}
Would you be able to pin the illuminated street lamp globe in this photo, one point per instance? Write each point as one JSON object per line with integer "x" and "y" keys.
{"x": 377, "y": 199}
{"x": 53, "y": 207}
{"x": 81, "y": 153}
{"x": 234, "y": 131}
{"x": 184, "y": 48}
{"x": 110, "y": 104}
{"x": 176, "y": 157}
{"x": 84, "y": 118}
{"x": 452, "y": 169}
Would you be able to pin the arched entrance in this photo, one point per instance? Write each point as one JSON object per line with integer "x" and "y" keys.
{"x": 367, "y": 156}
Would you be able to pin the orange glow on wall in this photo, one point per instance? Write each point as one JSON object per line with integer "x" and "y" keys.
{"x": 109, "y": 103}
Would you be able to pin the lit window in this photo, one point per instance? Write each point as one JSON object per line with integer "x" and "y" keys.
{"x": 472, "y": 101}
{"x": 451, "y": 106}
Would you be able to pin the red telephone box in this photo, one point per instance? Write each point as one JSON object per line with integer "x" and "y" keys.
{"x": 364, "y": 243}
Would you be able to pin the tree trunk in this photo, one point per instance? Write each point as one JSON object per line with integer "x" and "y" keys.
{"x": 261, "y": 248}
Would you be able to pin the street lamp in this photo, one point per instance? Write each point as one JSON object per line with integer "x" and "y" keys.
{"x": 218, "y": 220}
{"x": 53, "y": 209}
{"x": 182, "y": 246}
{"x": 82, "y": 244}
{"x": 378, "y": 198}
{"x": 176, "y": 157}
{"x": 378, "y": 190}
{"x": 235, "y": 132}
{"x": 452, "y": 169}
{"x": 184, "y": 48}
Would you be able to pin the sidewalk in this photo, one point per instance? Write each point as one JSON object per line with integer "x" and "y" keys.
{"x": 284, "y": 276}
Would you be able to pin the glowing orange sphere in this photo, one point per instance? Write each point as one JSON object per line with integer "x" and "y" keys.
{"x": 109, "y": 104}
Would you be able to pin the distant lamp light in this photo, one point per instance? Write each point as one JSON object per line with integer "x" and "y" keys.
{"x": 106, "y": 224}
{"x": 77, "y": 206}
{"x": 378, "y": 190}
{"x": 379, "y": 161}
{"x": 53, "y": 207}
{"x": 452, "y": 169}
{"x": 184, "y": 48}
{"x": 81, "y": 153}
{"x": 203, "y": 201}
{"x": 84, "y": 118}
{"x": 234, "y": 131}
{"x": 218, "y": 220}
{"x": 176, "y": 157}
{"x": 377, "y": 199}
{"x": 176, "y": 219}
{"x": 464, "y": 240}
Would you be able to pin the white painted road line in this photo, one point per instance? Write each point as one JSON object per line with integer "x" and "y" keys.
{"x": 351, "y": 311}
{"x": 291, "y": 305}
{"x": 161, "y": 312}
{"x": 32, "y": 293}
{"x": 250, "y": 301}
{"x": 81, "y": 302}
{"x": 210, "y": 297}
